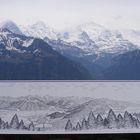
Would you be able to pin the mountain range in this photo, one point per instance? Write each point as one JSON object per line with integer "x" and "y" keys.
{"x": 90, "y": 48}
{"x": 54, "y": 112}
{"x": 28, "y": 58}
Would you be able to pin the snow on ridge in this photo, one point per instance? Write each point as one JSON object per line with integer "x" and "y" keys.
{"x": 132, "y": 35}
{"x": 10, "y": 25}
{"x": 39, "y": 30}
{"x": 27, "y": 43}
{"x": 10, "y": 40}
{"x": 90, "y": 37}
{"x": 99, "y": 39}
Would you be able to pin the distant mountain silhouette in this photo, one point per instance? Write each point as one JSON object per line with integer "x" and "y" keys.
{"x": 124, "y": 67}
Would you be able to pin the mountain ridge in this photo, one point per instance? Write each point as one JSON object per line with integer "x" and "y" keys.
{"x": 91, "y": 45}
{"x": 32, "y": 58}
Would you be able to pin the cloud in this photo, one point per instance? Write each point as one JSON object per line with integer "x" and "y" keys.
{"x": 118, "y": 17}
{"x": 57, "y": 13}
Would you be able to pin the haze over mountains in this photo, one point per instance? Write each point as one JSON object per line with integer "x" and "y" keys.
{"x": 90, "y": 49}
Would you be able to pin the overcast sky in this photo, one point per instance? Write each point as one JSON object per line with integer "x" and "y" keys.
{"x": 64, "y": 13}
{"x": 112, "y": 90}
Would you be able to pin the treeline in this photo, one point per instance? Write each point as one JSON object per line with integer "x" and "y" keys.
{"x": 111, "y": 121}
{"x": 16, "y": 124}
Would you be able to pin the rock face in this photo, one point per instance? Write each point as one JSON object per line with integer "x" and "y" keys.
{"x": 112, "y": 121}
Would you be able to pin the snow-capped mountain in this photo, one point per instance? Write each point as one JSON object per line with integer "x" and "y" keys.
{"x": 132, "y": 35}
{"x": 89, "y": 44}
{"x": 90, "y": 38}
{"x": 92, "y": 45}
{"x": 39, "y": 30}
{"x": 11, "y": 41}
{"x": 30, "y": 58}
{"x": 94, "y": 38}
{"x": 11, "y": 26}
